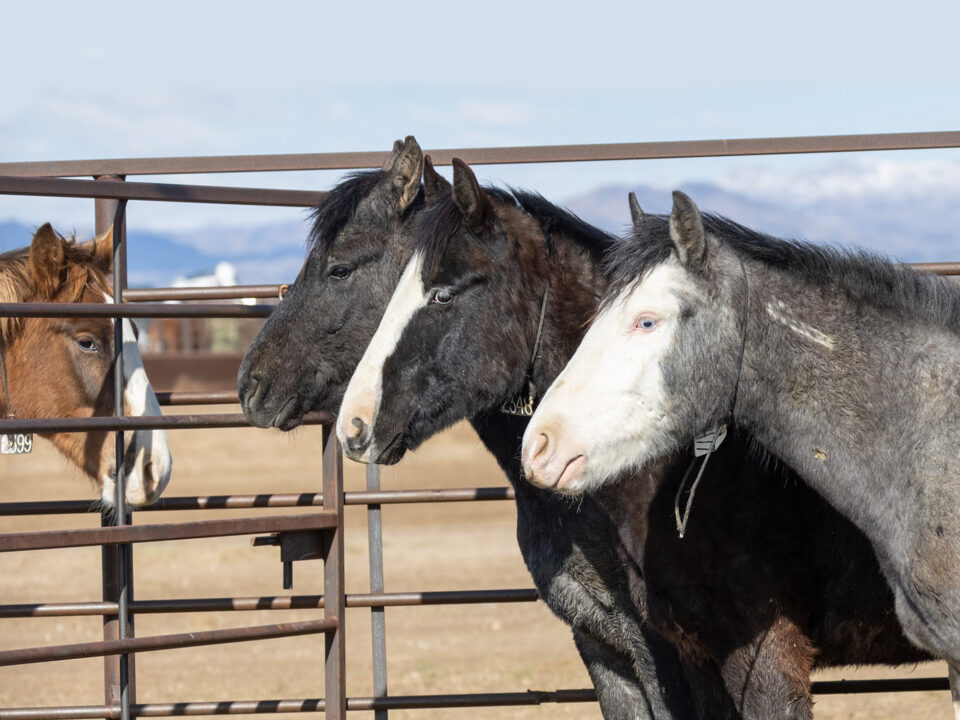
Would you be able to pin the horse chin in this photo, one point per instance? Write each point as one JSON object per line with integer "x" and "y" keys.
{"x": 394, "y": 452}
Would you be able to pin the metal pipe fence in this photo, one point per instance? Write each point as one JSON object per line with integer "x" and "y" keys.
{"x": 318, "y": 533}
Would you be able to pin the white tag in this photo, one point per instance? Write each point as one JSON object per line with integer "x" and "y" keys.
{"x": 701, "y": 445}
{"x": 16, "y": 444}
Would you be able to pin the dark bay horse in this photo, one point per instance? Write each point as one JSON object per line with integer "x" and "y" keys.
{"x": 842, "y": 364}
{"x": 770, "y": 582}
{"x": 303, "y": 359}
{"x": 63, "y": 367}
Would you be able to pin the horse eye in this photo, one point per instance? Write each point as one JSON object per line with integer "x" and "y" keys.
{"x": 87, "y": 344}
{"x": 442, "y": 297}
{"x": 646, "y": 323}
{"x": 340, "y": 272}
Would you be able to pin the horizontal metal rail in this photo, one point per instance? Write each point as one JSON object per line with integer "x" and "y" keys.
{"x": 119, "y": 534}
{"x": 491, "y": 155}
{"x": 411, "y": 702}
{"x": 133, "y": 310}
{"x": 273, "y": 500}
{"x": 159, "y": 192}
{"x": 222, "y": 397}
{"x": 289, "y": 602}
{"x": 231, "y": 292}
{"x": 142, "y": 422}
{"x": 164, "y": 642}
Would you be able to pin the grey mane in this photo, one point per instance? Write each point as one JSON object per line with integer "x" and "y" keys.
{"x": 863, "y": 276}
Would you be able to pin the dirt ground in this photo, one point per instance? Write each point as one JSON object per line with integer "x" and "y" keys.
{"x": 455, "y": 649}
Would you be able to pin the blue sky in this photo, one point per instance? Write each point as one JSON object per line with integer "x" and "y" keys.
{"x": 110, "y": 79}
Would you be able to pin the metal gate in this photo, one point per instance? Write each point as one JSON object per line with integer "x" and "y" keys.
{"x": 318, "y": 533}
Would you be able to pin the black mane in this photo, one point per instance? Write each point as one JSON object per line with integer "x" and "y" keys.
{"x": 441, "y": 220}
{"x": 861, "y": 275}
{"x": 555, "y": 220}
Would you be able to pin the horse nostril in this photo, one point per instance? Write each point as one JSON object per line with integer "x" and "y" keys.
{"x": 359, "y": 440}
{"x": 359, "y": 424}
{"x": 540, "y": 446}
{"x": 249, "y": 387}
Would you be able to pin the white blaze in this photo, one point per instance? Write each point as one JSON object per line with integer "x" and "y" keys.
{"x": 150, "y": 471}
{"x": 363, "y": 395}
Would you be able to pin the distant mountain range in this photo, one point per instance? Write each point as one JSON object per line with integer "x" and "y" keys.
{"x": 911, "y": 220}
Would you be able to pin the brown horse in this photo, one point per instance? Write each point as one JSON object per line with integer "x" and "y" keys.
{"x": 63, "y": 367}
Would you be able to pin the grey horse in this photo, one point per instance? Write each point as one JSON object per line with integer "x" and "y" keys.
{"x": 841, "y": 364}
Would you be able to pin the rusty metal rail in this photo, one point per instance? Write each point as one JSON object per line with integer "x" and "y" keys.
{"x": 123, "y": 534}
{"x": 133, "y": 310}
{"x": 273, "y": 500}
{"x": 141, "y": 422}
{"x": 158, "y": 192}
{"x": 491, "y": 155}
{"x": 413, "y": 702}
{"x": 165, "y": 642}
{"x": 283, "y": 602}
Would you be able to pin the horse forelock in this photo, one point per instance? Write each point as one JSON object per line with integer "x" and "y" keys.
{"x": 335, "y": 210}
{"x": 16, "y": 283}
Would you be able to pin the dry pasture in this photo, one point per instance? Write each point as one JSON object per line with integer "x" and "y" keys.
{"x": 453, "y": 649}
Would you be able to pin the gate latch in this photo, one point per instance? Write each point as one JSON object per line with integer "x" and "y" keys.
{"x": 296, "y": 545}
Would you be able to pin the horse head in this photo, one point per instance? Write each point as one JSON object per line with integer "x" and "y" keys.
{"x": 63, "y": 367}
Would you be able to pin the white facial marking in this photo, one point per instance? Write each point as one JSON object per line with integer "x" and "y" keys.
{"x": 148, "y": 475}
{"x": 778, "y": 310}
{"x": 609, "y": 404}
{"x": 363, "y": 395}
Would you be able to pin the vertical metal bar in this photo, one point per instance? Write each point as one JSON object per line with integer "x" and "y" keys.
{"x": 378, "y": 622}
{"x": 334, "y": 592}
{"x": 124, "y": 558}
{"x": 106, "y": 216}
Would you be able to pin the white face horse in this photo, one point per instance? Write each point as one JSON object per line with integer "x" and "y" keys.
{"x": 604, "y": 405}
{"x": 620, "y": 402}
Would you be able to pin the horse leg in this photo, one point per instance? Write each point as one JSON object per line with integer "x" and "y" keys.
{"x": 619, "y": 693}
{"x": 955, "y": 688}
{"x": 771, "y": 677}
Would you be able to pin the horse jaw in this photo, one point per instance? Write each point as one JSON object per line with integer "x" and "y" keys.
{"x": 147, "y": 459}
{"x": 609, "y": 408}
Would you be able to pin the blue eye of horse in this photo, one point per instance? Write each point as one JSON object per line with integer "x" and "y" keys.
{"x": 646, "y": 323}
{"x": 87, "y": 345}
{"x": 340, "y": 272}
{"x": 442, "y": 297}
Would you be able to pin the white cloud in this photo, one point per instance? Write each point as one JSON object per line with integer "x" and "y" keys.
{"x": 860, "y": 180}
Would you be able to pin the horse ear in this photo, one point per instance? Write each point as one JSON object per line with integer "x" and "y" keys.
{"x": 636, "y": 212}
{"x": 392, "y": 157}
{"x": 687, "y": 233}
{"x": 47, "y": 261}
{"x": 405, "y": 173}
{"x": 103, "y": 251}
{"x": 433, "y": 182}
{"x": 471, "y": 200}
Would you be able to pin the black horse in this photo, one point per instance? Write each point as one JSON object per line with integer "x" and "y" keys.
{"x": 302, "y": 360}
{"x": 769, "y": 581}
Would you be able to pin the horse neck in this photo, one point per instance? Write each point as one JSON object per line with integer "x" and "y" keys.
{"x": 848, "y": 396}
{"x": 573, "y": 282}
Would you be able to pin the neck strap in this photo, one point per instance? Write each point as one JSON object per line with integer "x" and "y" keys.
{"x": 520, "y": 405}
{"x": 716, "y": 436}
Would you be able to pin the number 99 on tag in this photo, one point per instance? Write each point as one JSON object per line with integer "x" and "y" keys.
{"x": 16, "y": 444}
